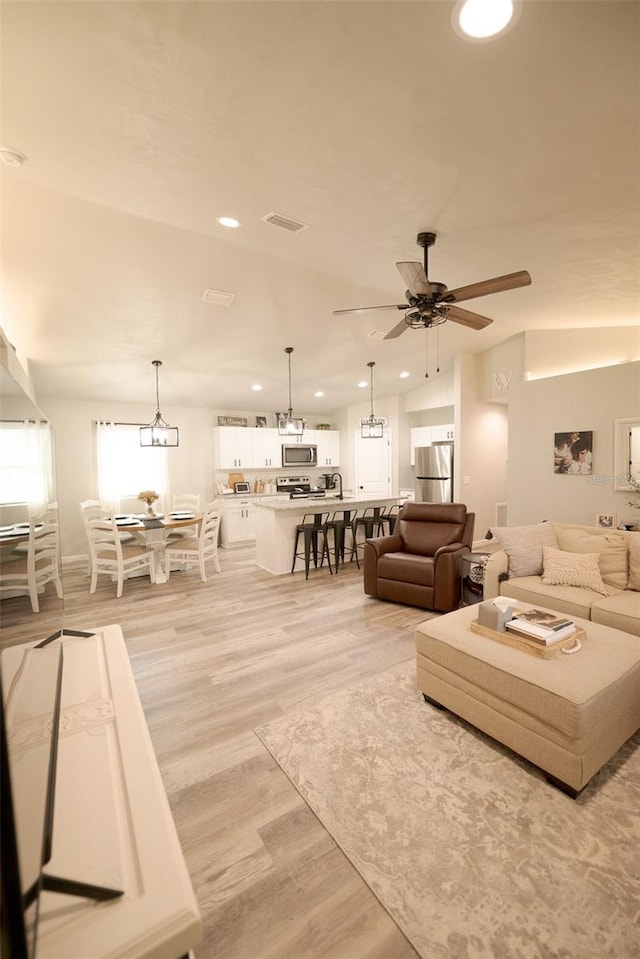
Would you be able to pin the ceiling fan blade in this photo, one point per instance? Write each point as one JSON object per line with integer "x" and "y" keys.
{"x": 363, "y": 309}
{"x": 466, "y": 318}
{"x": 415, "y": 279}
{"x": 511, "y": 281}
{"x": 397, "y": 330}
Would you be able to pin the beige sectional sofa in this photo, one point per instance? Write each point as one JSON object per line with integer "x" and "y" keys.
{"x": 582, "y": 571}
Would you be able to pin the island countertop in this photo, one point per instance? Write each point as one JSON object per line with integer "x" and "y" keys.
{"x": 319, "y": 504}
{"x": 276, "y": 522}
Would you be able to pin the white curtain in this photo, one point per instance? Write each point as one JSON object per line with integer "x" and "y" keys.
{"x": 125, "y": 468}
{"x": 26, "y": 466}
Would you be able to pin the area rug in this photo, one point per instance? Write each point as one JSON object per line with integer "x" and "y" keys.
{"x": 465, "y": 844}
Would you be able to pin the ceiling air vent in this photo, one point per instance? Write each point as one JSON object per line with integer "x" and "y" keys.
{"x": 284, "y": 222}
{"x": 377, "y": 334}
{"x": 219, "y": 297}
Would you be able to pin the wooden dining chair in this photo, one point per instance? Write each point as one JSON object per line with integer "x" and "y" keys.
{"x": 197, "y": 549}
{"x": 188, "y": 503}
{"x": 39, "y": 565}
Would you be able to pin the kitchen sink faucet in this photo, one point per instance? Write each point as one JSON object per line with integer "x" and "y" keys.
{"x": 339, "y": 477}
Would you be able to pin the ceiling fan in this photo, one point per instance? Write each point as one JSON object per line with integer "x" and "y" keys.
{"x": 430, "y": 304}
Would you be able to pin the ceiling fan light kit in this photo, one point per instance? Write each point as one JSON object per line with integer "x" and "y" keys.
{"x": 158, "y": 432}
{"x": 429, "y": 303}
{"x": 373, "y": 427}
{"x": 290, "y": 425}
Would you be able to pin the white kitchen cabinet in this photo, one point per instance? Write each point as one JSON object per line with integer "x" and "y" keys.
{"x": 442, "y": 434}
{"x": 420, "y": 436}
{"x": 233, "y": 447}
{"x": 238, "y": 523}
{"x": 328, "y": 443}
{"x": 267, "y": 449}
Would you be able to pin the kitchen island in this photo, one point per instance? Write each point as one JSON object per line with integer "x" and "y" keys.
{"x": 276, "y": 522}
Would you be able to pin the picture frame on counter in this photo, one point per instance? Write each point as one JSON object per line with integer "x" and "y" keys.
{"x": 261, "y": 422}
{"x": 606, "y": 520}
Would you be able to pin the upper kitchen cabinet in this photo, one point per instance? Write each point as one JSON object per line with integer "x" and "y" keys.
{"x": 267, "y": 449}
{"x": 442, "y": 434}
{"x": 328, "y": 443}
{"x": 233, "y": 447}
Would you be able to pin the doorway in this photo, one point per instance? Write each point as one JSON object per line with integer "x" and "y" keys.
{"x": 373, "y": 465}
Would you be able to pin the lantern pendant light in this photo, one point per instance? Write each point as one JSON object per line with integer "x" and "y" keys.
{"x": 158, "y": 433}
{"x": 290, "y": 425}
{"x": 373, "y": 428}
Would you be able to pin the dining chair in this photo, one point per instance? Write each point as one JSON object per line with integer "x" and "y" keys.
{"x": 187, "y": 503}
{"x": 41, "y": 563}
{"x": 197, "y": 549}
{"x": 108, "y": 554}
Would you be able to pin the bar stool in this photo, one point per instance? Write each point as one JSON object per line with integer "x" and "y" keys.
{"x": 372, "y": 522}
{"x": 389, "y": 517}
{"x": 313, "y": 529}
{"x": 341, "y": 521}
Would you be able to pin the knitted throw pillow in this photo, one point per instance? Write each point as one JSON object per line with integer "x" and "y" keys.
{"x": 573, "y": 569}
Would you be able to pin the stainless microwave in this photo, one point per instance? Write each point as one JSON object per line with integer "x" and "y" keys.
{"x": 299, "y": 454}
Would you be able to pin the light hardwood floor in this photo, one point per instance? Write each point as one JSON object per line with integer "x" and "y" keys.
{"x": 212, "y": 661}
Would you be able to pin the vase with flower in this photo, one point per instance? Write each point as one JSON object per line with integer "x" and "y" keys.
{"x": 149, "y": 497}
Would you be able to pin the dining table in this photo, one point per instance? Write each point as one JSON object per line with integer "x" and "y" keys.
{"x": 152, "y": 532}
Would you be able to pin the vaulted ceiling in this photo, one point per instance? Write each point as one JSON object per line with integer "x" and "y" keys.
{"x": 367, "y": 122}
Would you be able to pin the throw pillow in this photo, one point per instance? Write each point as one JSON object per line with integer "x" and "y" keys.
{"x": 611, "y": 547}
{"x": 573, "y": 569}
{"x": 523, "y": 545}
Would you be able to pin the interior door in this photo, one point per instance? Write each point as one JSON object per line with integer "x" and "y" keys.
{"x": 373, "y": 465}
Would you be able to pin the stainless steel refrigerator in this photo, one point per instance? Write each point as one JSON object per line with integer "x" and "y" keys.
{"x": 434, "y": 473}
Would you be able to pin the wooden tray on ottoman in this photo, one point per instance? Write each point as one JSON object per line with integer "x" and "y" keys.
{"x": 529, "y": 645}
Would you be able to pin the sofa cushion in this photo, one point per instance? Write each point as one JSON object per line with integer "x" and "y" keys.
{"x": 622, "y": 611}
{"x": 611, "y": 547}
{"x": 633, "y": 541}
{"x": 571, "y": 600}
{"x": 560, "y": 568}
{"x": 523, "y": 545}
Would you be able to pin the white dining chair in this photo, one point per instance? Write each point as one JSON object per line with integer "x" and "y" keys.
{"x": 39, "y": 565}
{"x": 108, "y": 554}
{"x": 186, "y": 503}
{"x": 197, "y": 549}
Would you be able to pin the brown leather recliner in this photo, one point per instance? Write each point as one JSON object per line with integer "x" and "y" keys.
{"x": 420, "y": 564}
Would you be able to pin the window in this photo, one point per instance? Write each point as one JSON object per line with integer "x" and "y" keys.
{"x": 125, "y": 468}
{"x": 26, "y": 474}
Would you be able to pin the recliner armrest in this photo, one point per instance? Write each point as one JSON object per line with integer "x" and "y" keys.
{"x": 386, "y": 544}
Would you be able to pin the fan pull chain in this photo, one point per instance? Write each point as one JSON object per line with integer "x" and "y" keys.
{"x": 438, "y": 349}
{"x": 426, "y": 359}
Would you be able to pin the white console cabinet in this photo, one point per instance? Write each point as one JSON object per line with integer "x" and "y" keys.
{"x": 112, "y": 822}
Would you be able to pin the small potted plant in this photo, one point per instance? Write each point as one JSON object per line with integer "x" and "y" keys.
{"x": 634, "y": 483}
{"x": 149, "y": 497}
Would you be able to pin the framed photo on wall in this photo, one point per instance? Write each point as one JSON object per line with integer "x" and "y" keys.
{"x": 573, "y": 452}
{"x": 606, "y": 520}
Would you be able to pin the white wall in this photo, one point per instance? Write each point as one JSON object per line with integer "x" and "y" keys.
{"x": 591, "y": 400}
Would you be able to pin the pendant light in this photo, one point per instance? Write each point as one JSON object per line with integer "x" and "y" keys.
{"x": 158, "y": 433}
{"x": 290, "y": 425}
{"x": 371, "y": 429}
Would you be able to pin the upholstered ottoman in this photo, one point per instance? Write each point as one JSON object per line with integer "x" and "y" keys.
{"x": 568, "y": 714}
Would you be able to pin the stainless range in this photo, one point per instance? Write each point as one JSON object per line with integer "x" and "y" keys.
{"x": 298, "y": 487}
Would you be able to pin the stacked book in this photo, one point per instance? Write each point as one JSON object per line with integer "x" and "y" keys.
{"x": 541, "y": 626}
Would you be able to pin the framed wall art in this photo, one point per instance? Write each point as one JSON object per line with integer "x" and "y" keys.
{"x": 573, "y": 452}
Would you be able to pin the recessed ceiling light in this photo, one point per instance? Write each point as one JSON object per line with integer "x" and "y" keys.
{"x": 318, "y": 393}
{"x": 362, "y": 384}
{"x": 256, "y": 387}
{"x": 228, "y": 221}
{"x": 481, "y": 19}
{"x": 219, "y": 297}
{"x": 404, "y": 375}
